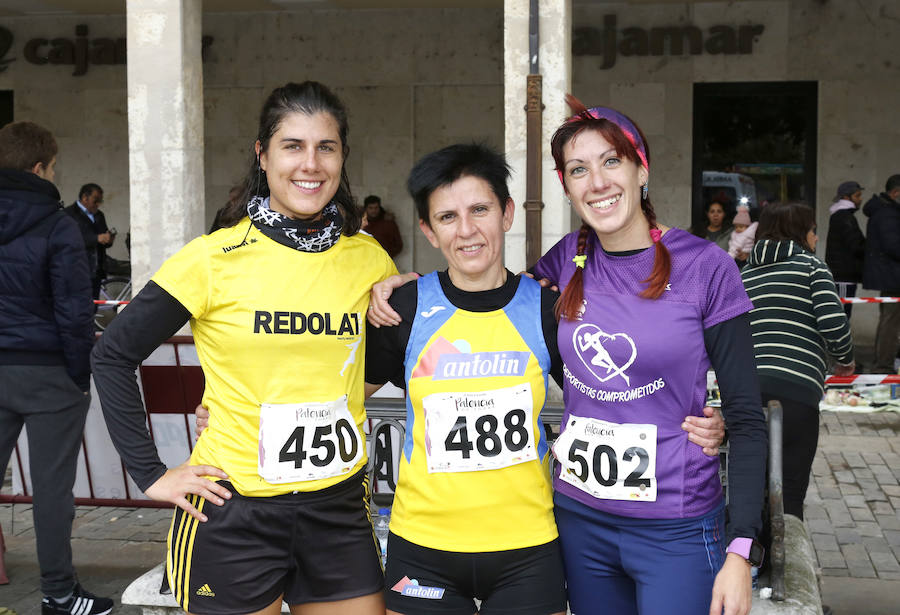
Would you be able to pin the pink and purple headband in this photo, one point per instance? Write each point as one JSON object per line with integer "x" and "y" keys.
{"x": 625, "y": 125}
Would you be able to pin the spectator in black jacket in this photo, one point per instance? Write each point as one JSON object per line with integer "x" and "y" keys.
{"x": 97, "y": 236}
{"x": 846, "y": 247}
{"x": 46, "y": 334}
{"x": 882, "y": 269}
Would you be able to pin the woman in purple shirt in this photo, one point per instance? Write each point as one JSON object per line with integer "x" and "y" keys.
{"x": 645, "y": 311}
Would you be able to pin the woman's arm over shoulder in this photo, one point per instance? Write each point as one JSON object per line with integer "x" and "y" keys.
{"x": 552, "y": 264}
{"x": 386, "y": 346}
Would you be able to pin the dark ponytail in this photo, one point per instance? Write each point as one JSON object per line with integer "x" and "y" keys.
{"x": 308, "y": 98}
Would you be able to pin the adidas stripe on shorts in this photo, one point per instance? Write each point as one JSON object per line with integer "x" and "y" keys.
{"x": 309, "y": 547}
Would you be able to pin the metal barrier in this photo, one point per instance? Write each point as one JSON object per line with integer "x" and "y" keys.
{"x": 776, "y": 499}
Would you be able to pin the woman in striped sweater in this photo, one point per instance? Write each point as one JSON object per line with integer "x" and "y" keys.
{"x": 797, "y": 321}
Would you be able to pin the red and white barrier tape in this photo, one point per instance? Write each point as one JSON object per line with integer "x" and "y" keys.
{"x": 863, "y": 379}
{"x": 870, "y": 299}
{"x": 109, "y": 302}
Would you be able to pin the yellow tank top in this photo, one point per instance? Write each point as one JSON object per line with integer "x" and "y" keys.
{"x": 280, "y": 337}
{"x": 474, "y": 470}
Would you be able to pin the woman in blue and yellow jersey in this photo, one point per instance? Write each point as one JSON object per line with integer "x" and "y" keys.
{"x": 272, "y": 502}
{"x": 473, "y": 509}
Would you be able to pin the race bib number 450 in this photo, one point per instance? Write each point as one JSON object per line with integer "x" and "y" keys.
{"x": 309, "y": 441}
{"x": 608, "y": 460}
{"x": 487, "y": 430}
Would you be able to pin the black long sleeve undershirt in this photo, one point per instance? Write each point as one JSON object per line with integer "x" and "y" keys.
{"x": 730, "y": 349}
{"x": 151, "y": 318}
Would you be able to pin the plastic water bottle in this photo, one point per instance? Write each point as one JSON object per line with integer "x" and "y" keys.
{"x": 380, "y": 524}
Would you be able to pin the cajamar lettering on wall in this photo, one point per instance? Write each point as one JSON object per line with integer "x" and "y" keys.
{"x": 610, "y": 42}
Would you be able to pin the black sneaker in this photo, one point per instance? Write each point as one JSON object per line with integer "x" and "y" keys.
{"x": 80, "y": 603}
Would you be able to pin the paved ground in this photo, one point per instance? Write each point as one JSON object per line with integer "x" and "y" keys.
{"x": 853, "y": 512}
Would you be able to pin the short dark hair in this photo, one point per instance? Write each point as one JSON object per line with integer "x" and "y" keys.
{"x": 88, "y": 190}
{"x": 892, "y": 183}
{"x": 25, "y": 144}
{"x": 446, "y": 165}
{"x": 372, "y": 198}
{"x": 786, "y": 221}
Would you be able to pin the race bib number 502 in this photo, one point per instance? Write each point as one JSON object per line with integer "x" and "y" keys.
{"x": 307, "y": 441}
{"x": 610, "y": 461}
{"x": 485, "y": 430}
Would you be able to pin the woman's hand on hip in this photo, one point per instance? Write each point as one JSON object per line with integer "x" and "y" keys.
{"x": 178, "y": 482}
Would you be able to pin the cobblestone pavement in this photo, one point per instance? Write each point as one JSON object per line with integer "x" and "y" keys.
{"x": 853, "y": 504}
{"x": 852, "y": 510}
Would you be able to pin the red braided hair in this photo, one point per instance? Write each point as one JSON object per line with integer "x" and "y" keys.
{"x": 570, "y": 302}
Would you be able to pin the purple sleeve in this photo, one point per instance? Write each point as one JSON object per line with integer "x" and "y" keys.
{"x": 725, "y": 297}
{"x": 552, "y": 264}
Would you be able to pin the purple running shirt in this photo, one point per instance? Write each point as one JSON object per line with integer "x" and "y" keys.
{"x": 632, "y": 361}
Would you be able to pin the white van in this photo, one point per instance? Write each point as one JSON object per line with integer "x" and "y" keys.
{"x": 737, "y": 188}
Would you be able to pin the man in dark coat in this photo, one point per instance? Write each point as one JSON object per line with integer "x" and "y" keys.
{"x": 46, "y": 334}
{"x": 380, "y": 224}
{"x": 96, "y": 235}
{"x": 845, "y": 250}
{"x": 882, "y": 269}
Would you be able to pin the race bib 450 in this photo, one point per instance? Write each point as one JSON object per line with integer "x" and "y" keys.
{"x": 307, "y": 441}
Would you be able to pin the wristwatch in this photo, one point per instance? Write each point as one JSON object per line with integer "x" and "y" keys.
{"x": 748, "y": 548}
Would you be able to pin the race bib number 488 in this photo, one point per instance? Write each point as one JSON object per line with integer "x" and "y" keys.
{"x": 307, "y": 441}
{"x": 609, "y": 461}
{"x": 486, "y": 430}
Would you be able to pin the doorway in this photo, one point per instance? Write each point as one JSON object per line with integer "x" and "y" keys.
{"x": 754, "y": 143}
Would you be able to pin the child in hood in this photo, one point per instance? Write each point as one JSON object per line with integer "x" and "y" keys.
{"x": 743, "y": 235}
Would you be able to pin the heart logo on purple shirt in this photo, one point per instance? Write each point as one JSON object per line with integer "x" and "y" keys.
{"x": 606, "y": 355}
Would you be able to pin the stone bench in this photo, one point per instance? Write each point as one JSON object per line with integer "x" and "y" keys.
{"x": 801, "y": 579}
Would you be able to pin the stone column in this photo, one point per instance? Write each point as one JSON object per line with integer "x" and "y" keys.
{"x": 556, "y": 68}
{"x": 165, "y": 130}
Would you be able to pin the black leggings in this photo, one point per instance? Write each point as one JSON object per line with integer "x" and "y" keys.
{"x": 800, "y": 438}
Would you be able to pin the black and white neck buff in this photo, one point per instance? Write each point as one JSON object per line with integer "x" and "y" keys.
{"x": 315, "y": 236}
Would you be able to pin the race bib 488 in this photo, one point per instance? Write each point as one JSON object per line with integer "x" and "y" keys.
{"x": 486, "y": 430}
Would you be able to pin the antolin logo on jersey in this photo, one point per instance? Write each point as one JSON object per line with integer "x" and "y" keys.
{"x": 410, "y": 587}
{"x": 295, "y": 323}
{"x": 481, "y": 365}
{"x": 447, "y": 361}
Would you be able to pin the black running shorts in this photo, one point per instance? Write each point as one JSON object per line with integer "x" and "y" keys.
{"x": 527, "y": 581}
{"x": 307, "y": 546}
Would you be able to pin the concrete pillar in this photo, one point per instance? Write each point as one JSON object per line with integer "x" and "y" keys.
{"x": 556, "y": 68}
{"x": 165, "y": 130}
